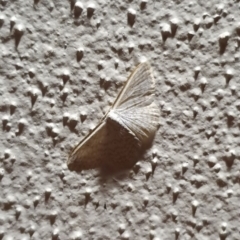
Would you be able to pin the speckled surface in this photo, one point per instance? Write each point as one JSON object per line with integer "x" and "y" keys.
{"x": 62, "y": 65}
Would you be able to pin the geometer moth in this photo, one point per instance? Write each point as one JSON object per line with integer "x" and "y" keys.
{"x": 126, "y": 129}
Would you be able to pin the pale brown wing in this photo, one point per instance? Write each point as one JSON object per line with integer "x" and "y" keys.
{"x": 135, "y": 107}
{"x": 88, "y": 153}
{"x": 109, "y": 145}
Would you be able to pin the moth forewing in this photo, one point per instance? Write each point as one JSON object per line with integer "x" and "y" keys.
{"x": 131, "y": 79}
{"x": 77, "y": 154}
{"x": 135, "y": 105}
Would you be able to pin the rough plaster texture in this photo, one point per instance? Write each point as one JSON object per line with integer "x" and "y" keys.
{"x": 62, "y": 65}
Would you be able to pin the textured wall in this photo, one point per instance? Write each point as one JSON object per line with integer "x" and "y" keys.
{"x": 62, "y": 65}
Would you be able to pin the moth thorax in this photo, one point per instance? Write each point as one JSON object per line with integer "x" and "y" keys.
{"x": 114, "y": 117}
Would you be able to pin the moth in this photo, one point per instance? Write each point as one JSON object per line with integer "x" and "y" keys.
{"x": 126, "y": 129}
